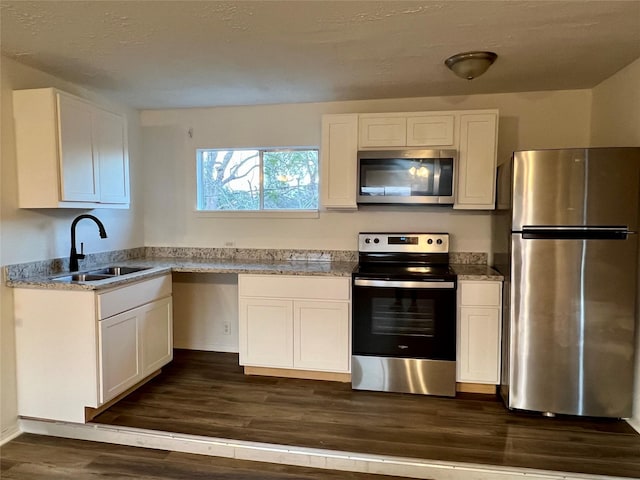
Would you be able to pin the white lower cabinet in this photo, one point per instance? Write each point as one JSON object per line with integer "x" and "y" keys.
{"x": 156, "y": 335}
{"x": 319, "y": 330}
{"x": 132, "y": 345}
{"x": 266, "y": 328}
{"x": 78, "y": 349}
{"x": 119, "y": 354}
{"x": 479, "y": 332}
{"x": 295, "y": 322}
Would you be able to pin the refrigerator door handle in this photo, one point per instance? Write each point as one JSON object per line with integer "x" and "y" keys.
{"x": 576, "y": 233}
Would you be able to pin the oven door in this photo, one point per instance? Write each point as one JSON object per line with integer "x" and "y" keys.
{"x": 406, "y": 319}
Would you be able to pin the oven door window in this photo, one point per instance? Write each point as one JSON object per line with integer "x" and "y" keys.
{"x": 404, "y": 322}
{"x": 406, "y": 314}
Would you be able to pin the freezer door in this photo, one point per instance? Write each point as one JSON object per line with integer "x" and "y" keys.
{"x": 595, "y": 186}
{"x": 572, "y": 326}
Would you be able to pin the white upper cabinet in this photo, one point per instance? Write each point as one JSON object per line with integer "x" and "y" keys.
{"x": 380, "y": 130}
{"x": 110, "y": 143}
{"x": 430, "y": 130}
{"x": 472, "y": 133}
{"x": 338, "y": 161}
{"x": 78, "y": 166}
{"x": 477, "y": 155}
{"x": 71, "y": 153}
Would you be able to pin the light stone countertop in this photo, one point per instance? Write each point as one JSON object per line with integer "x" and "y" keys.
{"x": 161, "y": 266}
{"x": 476, "y": 272}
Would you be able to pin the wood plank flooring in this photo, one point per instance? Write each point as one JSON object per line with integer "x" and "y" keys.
{"x": 35, "y": 457}
{"x": 205, "y": 393}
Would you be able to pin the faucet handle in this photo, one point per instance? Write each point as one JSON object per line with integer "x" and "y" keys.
{"x": 81, "y": 254}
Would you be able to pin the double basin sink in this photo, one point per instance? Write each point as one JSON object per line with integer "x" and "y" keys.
{"x": 98, "y": 274}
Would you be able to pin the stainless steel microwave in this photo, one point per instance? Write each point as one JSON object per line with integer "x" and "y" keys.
{"x": 406, "y": 176}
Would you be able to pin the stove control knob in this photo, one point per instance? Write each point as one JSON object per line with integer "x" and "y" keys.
{"x": 430, "y": 241}
{"x": 439, "y": 241}
{"x": 367, "y": 240}
{"x": 376, "y": 240}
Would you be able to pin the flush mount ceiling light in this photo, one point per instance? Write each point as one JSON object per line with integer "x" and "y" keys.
{"x": 470, "y": 65}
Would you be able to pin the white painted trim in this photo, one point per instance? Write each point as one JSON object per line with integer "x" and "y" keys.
{"x": 297, "y": 456}
{"x": 635, "y": 423}
{"x": 10, "y": 433}
{"x": 257, "y": 214}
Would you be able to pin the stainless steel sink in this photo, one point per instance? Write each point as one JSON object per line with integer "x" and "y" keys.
{"x": 116, "y": 271}
{"x": 98, "y": 274}
{"x": 81, "y": 277}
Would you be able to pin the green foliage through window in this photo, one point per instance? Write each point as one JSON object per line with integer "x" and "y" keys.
{"x": 257, "y": 179}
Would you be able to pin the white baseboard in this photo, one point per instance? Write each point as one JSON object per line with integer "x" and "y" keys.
{"x": 635, "y": 423}
{"x": 10, "y": 433}
{"x": 297, "y": 456}
{"x": 208, "y": 347}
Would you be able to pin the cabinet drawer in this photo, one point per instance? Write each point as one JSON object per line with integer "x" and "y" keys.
{"x": 134, "y": 295}
{"x": 480, "y": 293}
{"x": 291, "y": 286}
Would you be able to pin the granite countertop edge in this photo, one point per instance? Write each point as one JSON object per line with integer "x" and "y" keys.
{"x": 476, "y": 272}
{"x": 162, "y": 266}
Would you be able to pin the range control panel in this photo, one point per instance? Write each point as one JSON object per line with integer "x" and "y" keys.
{"x": 404, "y": 242}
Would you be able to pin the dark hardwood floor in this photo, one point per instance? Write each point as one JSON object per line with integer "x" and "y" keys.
{"x": 35, "y": 457}
{"x": 206, "y": 393}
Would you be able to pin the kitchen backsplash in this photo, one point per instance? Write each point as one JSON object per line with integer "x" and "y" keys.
{"x": 254, "y": 254}
{"x": 54, "y": 266}
{"x": 468, "y": 258}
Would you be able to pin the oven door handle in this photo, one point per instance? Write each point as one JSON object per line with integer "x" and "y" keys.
{"x": 361, "y": 282}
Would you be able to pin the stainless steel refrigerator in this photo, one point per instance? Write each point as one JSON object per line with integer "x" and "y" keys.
{"x": 565, "y": 236}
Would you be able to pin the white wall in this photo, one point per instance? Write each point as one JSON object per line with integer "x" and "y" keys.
{"x": 527, "y": 120}
{"x": 616, "y": 109}
{"x": 616, "y": 122}
{"x": 30, "y": 235}
{"x": 205, "y": 307}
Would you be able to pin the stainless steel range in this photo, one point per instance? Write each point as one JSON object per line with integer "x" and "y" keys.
{"x": 404, "y": 314}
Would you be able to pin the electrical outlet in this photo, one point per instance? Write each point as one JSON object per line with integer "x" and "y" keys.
{"x": 229, "y": 244}
{"x": 227, "y": 328}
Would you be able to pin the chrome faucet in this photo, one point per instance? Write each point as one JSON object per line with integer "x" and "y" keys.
{"x": 74, "y": 256}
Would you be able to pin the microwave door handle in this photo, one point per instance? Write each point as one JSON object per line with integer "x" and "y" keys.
{"x": 361, "y": 282}
{"x": 436, "y": 176}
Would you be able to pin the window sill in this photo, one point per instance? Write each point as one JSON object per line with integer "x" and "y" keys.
{"x": 259, "y": 214}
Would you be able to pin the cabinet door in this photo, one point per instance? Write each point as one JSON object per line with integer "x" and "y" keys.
{"x": 382, "y": 131}
{"x": 477, "y": 161}
{"x": 119, "y": 354}
{"x": 338, "y": 160}
{"x": 479, "y": 345}
{"x": 78, "y": 169}
{"x": 156, "y": 335}
{"x": 430, "y": 130}
{"x": 266, "y": 332}
{"x": 321, "y": 336}
{"x": 111, "y": 150}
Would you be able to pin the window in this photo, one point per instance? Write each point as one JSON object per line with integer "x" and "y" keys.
{"x": 257, "y": 179}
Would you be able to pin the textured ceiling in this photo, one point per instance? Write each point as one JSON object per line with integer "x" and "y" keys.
{"x": 164, "y": 54}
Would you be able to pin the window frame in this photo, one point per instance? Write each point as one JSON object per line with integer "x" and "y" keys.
{"x": 261, "y": 212}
